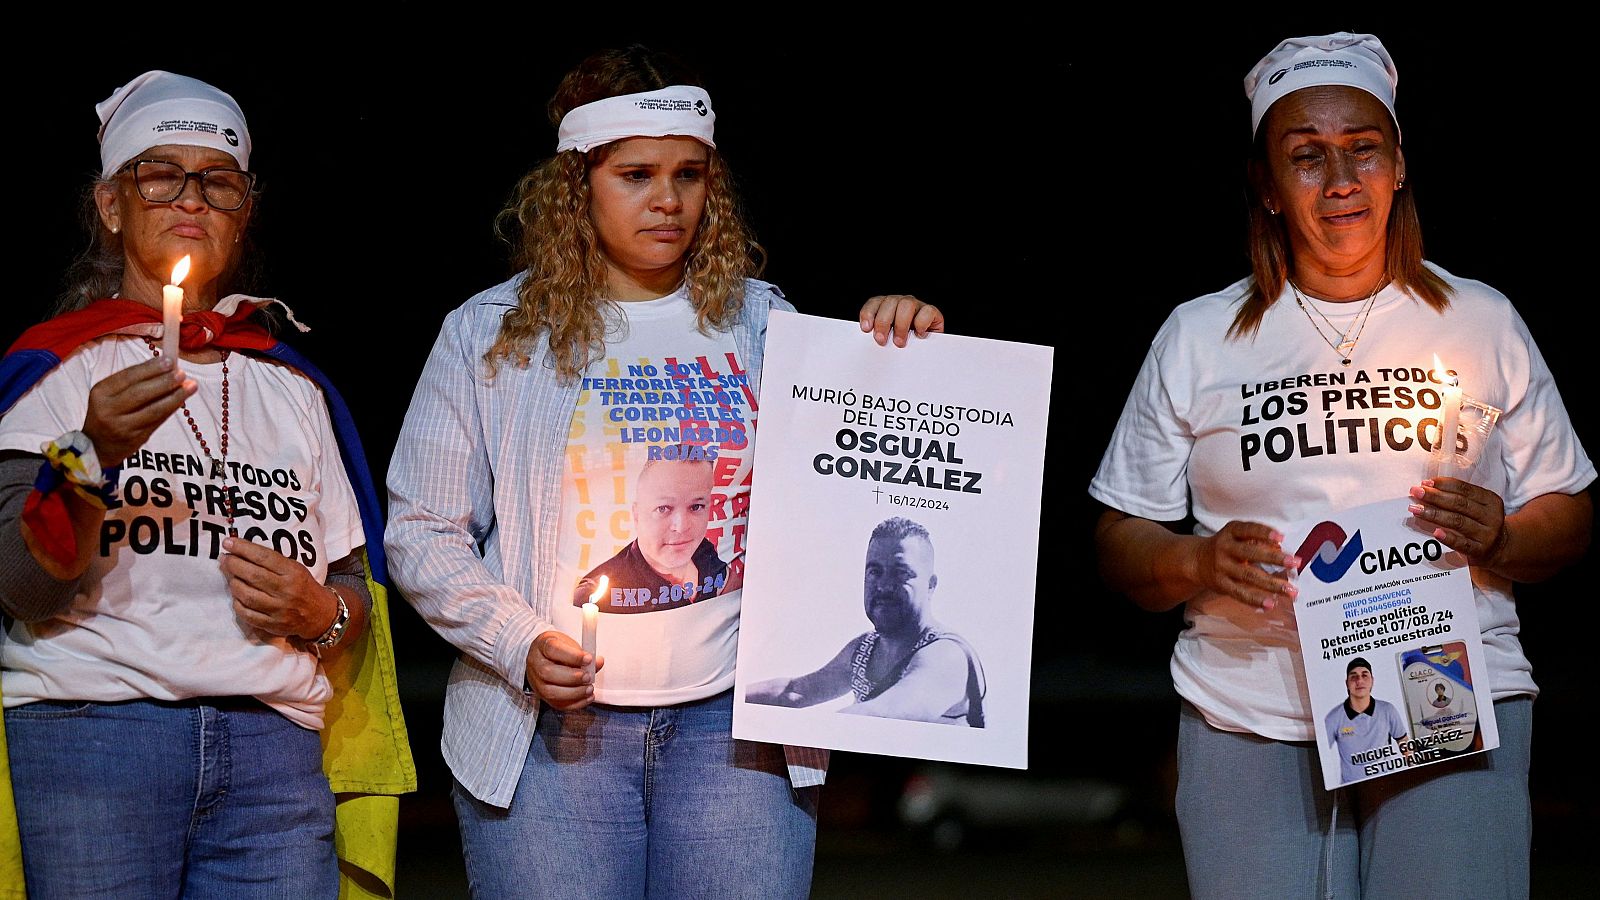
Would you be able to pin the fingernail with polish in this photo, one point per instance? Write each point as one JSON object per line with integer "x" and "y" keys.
{"x": 1418, "y": 493}
{"x": 1414, "y": 509}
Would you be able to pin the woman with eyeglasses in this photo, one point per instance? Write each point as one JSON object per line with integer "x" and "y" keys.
{"x": 184, "y": 553}
{"x": 600, "y": 405}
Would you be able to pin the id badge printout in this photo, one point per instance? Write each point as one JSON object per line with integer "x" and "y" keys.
{"x": 893, "y": 544}
{"x": 1389, "y": 635}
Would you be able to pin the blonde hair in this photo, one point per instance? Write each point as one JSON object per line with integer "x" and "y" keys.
{"x": 561, "y": 298}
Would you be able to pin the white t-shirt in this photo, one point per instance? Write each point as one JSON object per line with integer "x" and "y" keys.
{"x": 1274, "y": 429}
{"x": 667, "y": 395}
{"x": 153, "y": 617}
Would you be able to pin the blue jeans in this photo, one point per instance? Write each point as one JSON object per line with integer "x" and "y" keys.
{"x": 149, "y": 799}
{"x": 625, "y": 802}
{"x": 1257, "y": 822}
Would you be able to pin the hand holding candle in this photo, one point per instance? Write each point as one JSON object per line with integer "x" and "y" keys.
{"x": 172, "y": 309}
{"x": 591, "y": 619}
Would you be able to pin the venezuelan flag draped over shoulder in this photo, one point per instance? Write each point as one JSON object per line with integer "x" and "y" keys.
{"x": 366, "y": 754}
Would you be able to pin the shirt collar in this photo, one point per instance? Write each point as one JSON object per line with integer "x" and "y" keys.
{"x": 1350, "y": 713}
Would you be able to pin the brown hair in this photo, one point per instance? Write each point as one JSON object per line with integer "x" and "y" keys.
{"x": 547, "y": 225}
{"x": 1271, "y": 256}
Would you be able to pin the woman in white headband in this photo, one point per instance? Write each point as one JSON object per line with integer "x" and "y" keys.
{"x": 183, "y": 532}
{"x": 1338, "y": 296}
{"x": 593, "y": 416}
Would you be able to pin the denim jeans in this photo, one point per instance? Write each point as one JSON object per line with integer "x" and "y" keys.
{"x": 631, "y": 802}
{"x": 150, "y": 799}
{"x": 1257, "y": 822}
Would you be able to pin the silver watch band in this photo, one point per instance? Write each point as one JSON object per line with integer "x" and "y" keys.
{"x": 341, "y": 621}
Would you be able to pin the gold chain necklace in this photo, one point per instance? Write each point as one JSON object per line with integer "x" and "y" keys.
{"x": 1347, "y": 344}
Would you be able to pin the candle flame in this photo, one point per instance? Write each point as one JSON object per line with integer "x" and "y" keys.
{"x": 600, "y": 591}
{"x": 181, "y": 271}
{"x": 1445, "y": 377}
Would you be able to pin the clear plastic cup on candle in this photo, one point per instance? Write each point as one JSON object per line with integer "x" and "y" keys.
{"x": 1478, "y": 420}
{"x": 1456, "y": 458}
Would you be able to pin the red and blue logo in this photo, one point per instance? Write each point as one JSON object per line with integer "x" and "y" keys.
{"x": 1327, "y": 552}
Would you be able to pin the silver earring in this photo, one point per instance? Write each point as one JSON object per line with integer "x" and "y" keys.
{"x": 1399, "y": 184}
{"x": 115, "y": 229}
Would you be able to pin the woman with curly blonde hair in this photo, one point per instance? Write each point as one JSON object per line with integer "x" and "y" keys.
{"x": 584, "y": 432}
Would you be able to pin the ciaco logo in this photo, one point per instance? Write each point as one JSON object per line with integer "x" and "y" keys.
{"x": 1328, "y": 553}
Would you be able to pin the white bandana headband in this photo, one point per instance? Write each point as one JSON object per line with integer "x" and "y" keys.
{"x": 1352, "y": 60}
{"x": 678, "y": 110}
{"x": 163, "y": 108}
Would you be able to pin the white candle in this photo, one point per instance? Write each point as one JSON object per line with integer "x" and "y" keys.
{"x": 172, "y": 309}
{"x": 591, "y": 617}
{"x": 1443, "y": 460}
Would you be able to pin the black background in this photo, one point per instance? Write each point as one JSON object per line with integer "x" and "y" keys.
{"x": 1038, "y": 179}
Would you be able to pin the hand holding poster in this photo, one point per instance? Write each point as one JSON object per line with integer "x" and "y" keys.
{"x": 1389, "y": 634}
{"x": 888, "y": 606}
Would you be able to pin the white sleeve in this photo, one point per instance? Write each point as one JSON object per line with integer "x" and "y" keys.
{"x": 1541, "y": 450}
{"x": 441, "y": 506}
{"x": 1144, "y": 471}
{"x": 51, "y": 408}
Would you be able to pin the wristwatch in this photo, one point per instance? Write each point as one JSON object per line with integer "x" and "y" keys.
{"x": 335, "y": 632}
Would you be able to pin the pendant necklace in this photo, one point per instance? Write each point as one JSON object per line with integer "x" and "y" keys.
{"x": 1346, "y": 345}
{"x": 218, "y": 467}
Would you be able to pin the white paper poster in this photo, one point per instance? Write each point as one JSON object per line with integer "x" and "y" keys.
{"x": 1389, "y": 635}
{"x": 893, "y": 543}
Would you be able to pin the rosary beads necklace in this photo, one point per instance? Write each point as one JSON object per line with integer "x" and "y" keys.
{"x": 222, "y": 444}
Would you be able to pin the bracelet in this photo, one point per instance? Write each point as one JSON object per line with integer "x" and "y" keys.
{"x": 71, "y": 458}
{"x": 335, "y": 632}
{"x": 1500, "y": 541}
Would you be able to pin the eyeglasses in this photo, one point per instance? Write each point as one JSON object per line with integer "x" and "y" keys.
{"x": 162, "y": 182}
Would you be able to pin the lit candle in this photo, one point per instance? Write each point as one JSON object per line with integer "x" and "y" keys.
{"x": 1442, "y": 461}
{"x": 172, "y": 309}
{"x": 591, "y": 617}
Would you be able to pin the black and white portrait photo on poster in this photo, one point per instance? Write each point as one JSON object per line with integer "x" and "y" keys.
{"x": 907, "y": 665}
{"x": 888, "y": 603}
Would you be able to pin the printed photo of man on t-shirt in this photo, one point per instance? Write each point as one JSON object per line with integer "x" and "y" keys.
{"x": 670, "y": 563}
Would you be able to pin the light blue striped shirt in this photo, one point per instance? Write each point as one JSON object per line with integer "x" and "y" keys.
{"x": 474, "y": 505}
